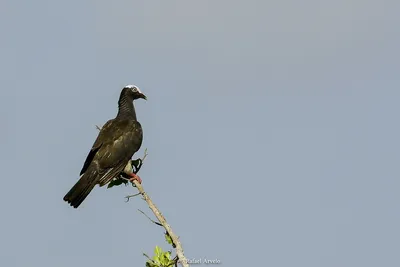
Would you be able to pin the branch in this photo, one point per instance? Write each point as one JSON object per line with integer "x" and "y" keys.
{"x": 153, "y": 221}
{"x": 163, "y": 221}
{"x": 129, "y": 197}
{"x": 158, "y": 214}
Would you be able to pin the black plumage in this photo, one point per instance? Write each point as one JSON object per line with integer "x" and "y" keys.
{"x": 113, "y": 149}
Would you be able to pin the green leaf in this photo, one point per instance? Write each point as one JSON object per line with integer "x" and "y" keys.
{"x": 158, "y": 251}
{"x": 169, "y": 239}
{"x": 150, "y": 264}
{"x": 156, "y": 260}
{"x": 166, "y": 258}
{"x": 117, "y": 182}
{"x": 160, "y": 258}
{"x": 157, "y": 255}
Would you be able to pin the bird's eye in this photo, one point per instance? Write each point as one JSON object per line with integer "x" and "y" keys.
{"x": 134, "y": 88}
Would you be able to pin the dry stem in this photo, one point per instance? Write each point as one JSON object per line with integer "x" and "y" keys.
{"x": 159, "y": 216}
{"x": 163, "y": 221}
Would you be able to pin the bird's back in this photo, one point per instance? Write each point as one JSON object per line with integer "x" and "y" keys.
{"x": 121, "y": 138}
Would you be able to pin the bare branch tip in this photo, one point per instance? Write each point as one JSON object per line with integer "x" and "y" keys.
{"x": 153, "y": 221}
{"x": 129, "y": 197}
{"x": 145, "y": 155}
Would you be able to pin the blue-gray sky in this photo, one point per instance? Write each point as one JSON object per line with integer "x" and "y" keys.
{"x": 272, "y": 130}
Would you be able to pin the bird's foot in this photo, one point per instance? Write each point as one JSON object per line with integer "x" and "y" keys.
{"x": 135, "y": 177}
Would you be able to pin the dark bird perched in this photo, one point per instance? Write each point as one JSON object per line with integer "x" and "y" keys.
{"x": 113, "y": 149}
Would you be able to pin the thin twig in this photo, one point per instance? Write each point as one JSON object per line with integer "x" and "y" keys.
{"x": 147, "y": 256}
{"x": 176, "y": 261}
{"x": 128, "y": 197}
{"x": 153, "y": 221}
{"x": 145, "y": 155}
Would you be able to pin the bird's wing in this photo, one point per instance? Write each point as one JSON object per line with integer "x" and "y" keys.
{"x": 116, "y": 143}
{"x": 101, "y": 137}
{"x": 114, "y": 155}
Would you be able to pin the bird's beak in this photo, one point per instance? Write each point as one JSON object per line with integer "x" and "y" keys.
{"x": 143, "y": 96}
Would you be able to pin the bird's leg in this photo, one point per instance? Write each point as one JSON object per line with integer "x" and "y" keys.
{"x": 135, "y": 177}
{"x": 128, "y": 171}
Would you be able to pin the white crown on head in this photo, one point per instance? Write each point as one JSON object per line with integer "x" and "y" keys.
{"x": 131, "y": 86}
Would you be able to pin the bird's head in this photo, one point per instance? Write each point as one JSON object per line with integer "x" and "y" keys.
{"x": 133, "y": 92}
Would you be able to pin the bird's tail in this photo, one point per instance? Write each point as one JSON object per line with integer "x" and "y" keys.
{"x": 81, "y": 189}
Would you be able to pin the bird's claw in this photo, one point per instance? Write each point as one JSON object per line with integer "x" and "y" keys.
{"x": 135, "y": 177}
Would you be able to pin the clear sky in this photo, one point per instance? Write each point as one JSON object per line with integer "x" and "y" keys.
{"x": 272, "y": 129}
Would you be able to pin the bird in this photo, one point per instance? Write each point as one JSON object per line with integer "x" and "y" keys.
{"x": 118, "y": 140}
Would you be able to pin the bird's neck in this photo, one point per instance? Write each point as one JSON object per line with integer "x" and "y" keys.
{"x": 126, "y": 109}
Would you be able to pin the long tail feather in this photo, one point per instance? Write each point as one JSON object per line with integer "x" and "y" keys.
{"x": 82, "y": 188}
